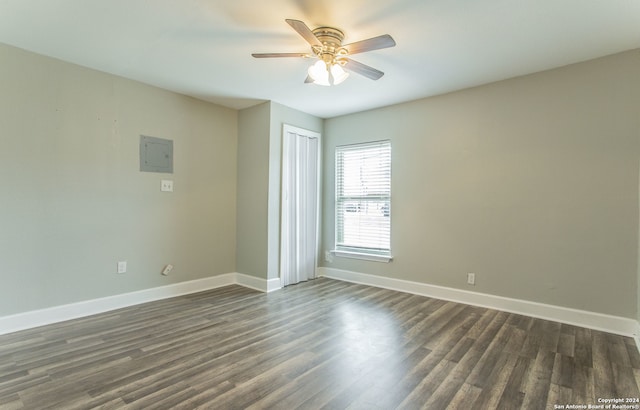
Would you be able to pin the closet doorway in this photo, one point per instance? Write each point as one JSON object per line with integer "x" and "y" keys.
{"x": 299, "y": 205}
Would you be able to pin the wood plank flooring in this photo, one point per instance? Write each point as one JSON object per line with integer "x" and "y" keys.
{"x": 321, "y": 344}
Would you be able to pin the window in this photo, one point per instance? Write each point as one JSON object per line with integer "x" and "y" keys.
{"x": 363, "y": 200}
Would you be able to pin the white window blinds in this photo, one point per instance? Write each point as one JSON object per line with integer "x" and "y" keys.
{"x": 363, "y": 198}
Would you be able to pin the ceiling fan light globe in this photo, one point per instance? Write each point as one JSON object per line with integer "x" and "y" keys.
{"x": 318, "y": 72}
{"x": 338, "y": 74}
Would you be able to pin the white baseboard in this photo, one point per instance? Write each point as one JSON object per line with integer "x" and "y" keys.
{"x": 35, "y": 318}
{"x": 263, "y": 285}
{"x": 592, "y": 320}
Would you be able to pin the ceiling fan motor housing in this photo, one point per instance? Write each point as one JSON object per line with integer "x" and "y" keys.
{"x": 331, "y": 39}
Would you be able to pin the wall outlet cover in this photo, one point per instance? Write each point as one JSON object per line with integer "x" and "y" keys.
{"x": 167, "y": 269}
{"x": 471, "y": 278}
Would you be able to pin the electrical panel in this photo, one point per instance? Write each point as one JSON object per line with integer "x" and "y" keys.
{"x": 156, "y": 154}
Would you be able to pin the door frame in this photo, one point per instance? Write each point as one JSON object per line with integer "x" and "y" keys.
{"x": 291, "y": 129}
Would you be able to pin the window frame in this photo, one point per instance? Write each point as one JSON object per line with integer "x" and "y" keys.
{"x": 360, "y": 252}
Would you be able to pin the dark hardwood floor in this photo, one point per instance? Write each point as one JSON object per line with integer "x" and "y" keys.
{"x": 320, "y": 344}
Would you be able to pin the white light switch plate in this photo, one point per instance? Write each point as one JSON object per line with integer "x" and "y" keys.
{"x": 166, "y": 185}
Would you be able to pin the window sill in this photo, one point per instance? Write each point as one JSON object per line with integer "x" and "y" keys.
{"x": 363, "y": 256}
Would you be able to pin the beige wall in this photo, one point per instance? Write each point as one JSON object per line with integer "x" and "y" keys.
{"x": 531, "y": 183}
{"x": 73, "y": 200}
{"x": 253, "y": 174}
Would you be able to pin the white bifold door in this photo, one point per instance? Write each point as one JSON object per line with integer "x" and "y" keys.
{"x": 299, "y": 205}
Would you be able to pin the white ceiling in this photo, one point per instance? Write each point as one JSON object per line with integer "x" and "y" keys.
{"x": 203, "y": 48}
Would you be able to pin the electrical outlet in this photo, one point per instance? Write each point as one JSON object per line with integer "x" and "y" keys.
{"x": 471, "y": 278}
{"x": 167, "y": 269}
{"x": 122, "y": 267}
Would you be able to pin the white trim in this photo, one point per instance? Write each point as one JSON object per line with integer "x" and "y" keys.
{"x": 273, "y": 284}
{"x": 252, "y": 282}
{"x": 35, "y": 318}
{"x": 593, "y": 320}
{"x": 363, "y": 256}
{"x": 636, "y": 335}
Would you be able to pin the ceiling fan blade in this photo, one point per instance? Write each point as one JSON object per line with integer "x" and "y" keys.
{"x": 362, "y": 69}
{"x": 305, "y": 32}
{"x": 272, "y": 55}
{"x": 375, "y": 43}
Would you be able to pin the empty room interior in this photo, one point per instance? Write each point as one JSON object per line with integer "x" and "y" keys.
{"x": 319, "y": 204}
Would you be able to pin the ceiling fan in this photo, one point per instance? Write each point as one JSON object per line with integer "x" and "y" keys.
{"x": 326, "y": 45}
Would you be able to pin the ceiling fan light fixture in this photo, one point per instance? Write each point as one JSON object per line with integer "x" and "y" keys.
{"x": 319, "y": 73}
{"x": 323, "y": 74}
